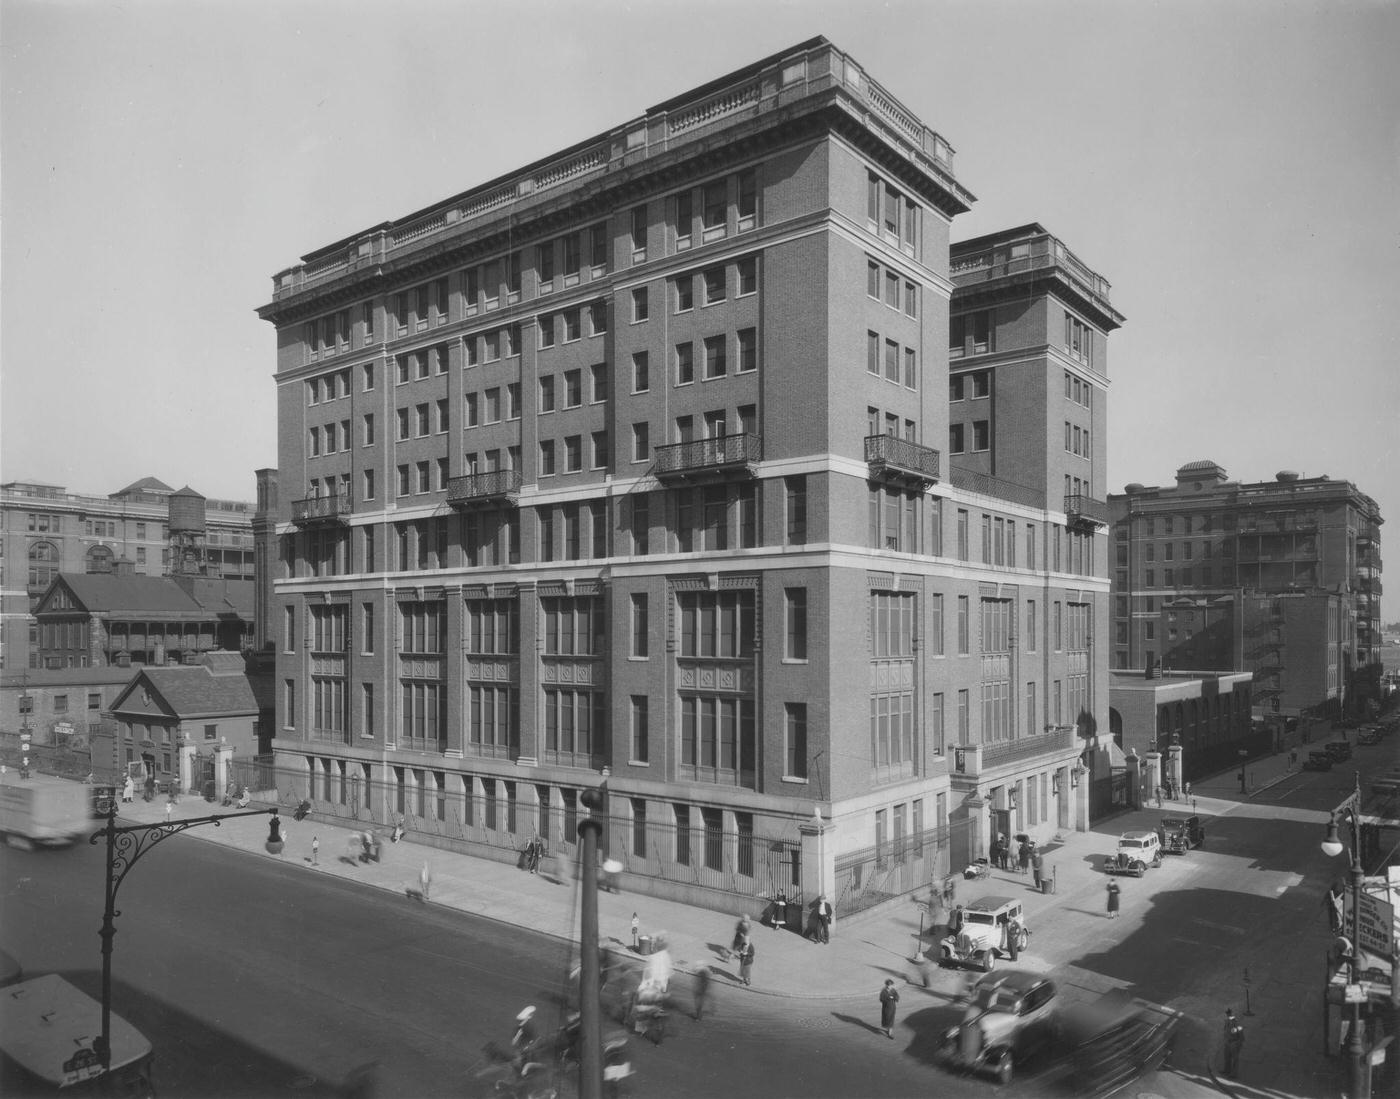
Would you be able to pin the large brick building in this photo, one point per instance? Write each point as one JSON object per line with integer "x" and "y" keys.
{"x": 632, "y": 460}
{"x": 157, "y": 530}
{"x": 1281, "y": 578}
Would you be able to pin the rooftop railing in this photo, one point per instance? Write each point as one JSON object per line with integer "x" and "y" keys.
{"x": 1036, "y": 253}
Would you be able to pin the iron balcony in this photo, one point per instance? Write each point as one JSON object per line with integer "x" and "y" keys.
{"x": 900, "y": 460}
{"x": 321, "y": 509}
{"x": 498, "y": 486}
{"x": 725, "y": 455}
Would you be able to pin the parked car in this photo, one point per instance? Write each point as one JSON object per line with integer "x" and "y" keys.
{"x": 1371, "y": 734}
{"x": 1339, "y": 750}
{"x": 1011, "y": 1017}
{"x": 1180, "y": 834}
{"x": 986, "y": 932}
{"x": 1318, "y": 761}
{"x": 1136, "y": 852}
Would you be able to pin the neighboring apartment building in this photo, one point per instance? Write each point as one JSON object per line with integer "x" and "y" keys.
{"x": 630, "y": 462}
{"x": 1280, "y": 577}
{"x": 45, "y": 530}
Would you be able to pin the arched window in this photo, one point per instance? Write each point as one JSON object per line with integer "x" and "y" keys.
{"x": 99, "y": 559}
{"x": 43, "y": 564}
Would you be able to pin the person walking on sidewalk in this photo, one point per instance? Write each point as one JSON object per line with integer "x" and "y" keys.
{"x": 636, "y": 931}
{"x": 1234, "y": 1042}
{"x": 1241, "y": 778}
{"x": 889, "y": 997}
{"x": 128, "y": 789}
{"x": 741, "y": 936}
{"x": 425, "y": 881}
{"x": 702, "y": 991}
{"x": 1113, "y": 892}
{"x": 746, "y": 953}
{"x": 315, "y": 850}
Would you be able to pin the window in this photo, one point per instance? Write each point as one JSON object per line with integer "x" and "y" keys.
{"x": 641, "y": 442}
{"x": 640, "y": 754}
{"x": 872, "y": 353}
{"x": 572, "y": 325}
{"x": 685, "y": 293}
{"x": 716, "y": 364}
{"x": 796, "y": 616}
{"x": 891, "y": 361}
{"x": 598, "y": 382}
{"x": 748, "y": 276}
{"x": 547, "y": 393}
{"x": 795, "y": 740}
{"x": 597, "y": 319}
{"x": 956, "y": 438}
{"x": 795, "y": 490}
{"x": 981, "y": 435}
{"x": 420, "y": 421}
{"x": 715, "y": 290}
{"x": 715, "y": 207}
{"x": 684, "y": 219}
{"x": 599, "y": 443}
{"x": 639, "y": 233}
{"x": 471, "y": 410}
{"x": 641, "y": 524}
{"x": 640, "y": 627}
{"x": 911, "y": 369}
{"x": 573, "y": 254}
{"x": 573, "y": 454}
{"x": 513, "y": 401}
{"x": 546, "y": 325}
{"x": 641, "y": 376}
{"x": 685, "y": 363}
{"x": 964, "y": 625}
{"x": 748, "y": 198}
{"x": 546, "y": 457}
{"x": 368, "y": 484}
{"x": 573, "y": 388}
{"x": 492, "y": 405}
{"x": 748, "y": 350}
{"x": 911, "y": 299}
{"x": 544, "y": 265}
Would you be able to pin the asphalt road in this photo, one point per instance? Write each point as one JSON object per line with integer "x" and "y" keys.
{"x": 257, "y": 978}
{"x": 260, "y": 979}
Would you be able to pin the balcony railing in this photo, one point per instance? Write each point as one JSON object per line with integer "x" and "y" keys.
{"x": 988, "y": 485}
{"x": 1012, "y": 257}
{"x": 1085, "y": 509}
{"x": 1003, "y": 752}
{"x": 497, "y": 486}
{"x": 1371, "y": 585}
{"x": 321, "y": 509}
{"x": 900, "y": 459}
{"x": 736, "y": 454}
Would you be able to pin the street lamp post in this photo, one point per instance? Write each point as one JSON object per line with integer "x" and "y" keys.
{"x": 1360, "y": 1084}
{"x": 124, "y": 846}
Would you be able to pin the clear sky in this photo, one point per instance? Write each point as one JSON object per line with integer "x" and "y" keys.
{"x": 1232, "y": 168}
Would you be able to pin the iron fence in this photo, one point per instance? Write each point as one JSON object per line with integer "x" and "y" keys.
{"x": 876, "y": 874}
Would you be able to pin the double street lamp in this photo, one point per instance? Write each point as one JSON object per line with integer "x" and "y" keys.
{"x": 124, "y": 846}
{"x": 1359, "y": 1086}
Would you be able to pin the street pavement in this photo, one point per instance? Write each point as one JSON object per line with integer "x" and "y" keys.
{"x": 1281, "y": 1058}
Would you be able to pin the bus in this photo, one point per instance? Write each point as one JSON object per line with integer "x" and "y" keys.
{"x": 48, "y": 1031}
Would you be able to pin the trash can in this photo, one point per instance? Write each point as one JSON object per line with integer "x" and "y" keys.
{"x": 1047, "y": 882}
{"x": 643, "y": 944}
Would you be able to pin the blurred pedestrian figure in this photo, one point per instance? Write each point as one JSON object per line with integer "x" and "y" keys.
{"x": 1241, "y": 778}
{"x": 150, "y": 787}
{"x": 636, "y": 931}
{"x": 702, "y": 991}
{"x": 128, "y": 789}
{"x": 1186, "y": 790}
{"x": 1293, "y": 759}
{"x": 746, "y": 953}
{"x": 534, "y": 851}
{"x": 1333, "y": 902}
{"x": 1038, "y": 869}
{"x": 955, "y": 920}
{"x": 563, "y": 869}
{"x": 425, "y": 881}
{"x": 315, "y": 850}
{"x": 1013, "y": 939}
{"x": 1234, "y": 1042}
{"x": 1023, "y": 856}
{"x": 1157, "y": 793}
{"x": 824, "y": 914}
{"x": 889, "y": 997}
{"x": 1113, "y": 900}
{"x": 741, "y": 936}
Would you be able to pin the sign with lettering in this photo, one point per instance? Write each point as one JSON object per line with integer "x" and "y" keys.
{"x": 1377, "y": 925}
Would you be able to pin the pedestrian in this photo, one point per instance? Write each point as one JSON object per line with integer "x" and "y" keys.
{"x": 150, "y": 787}
{"x": 533, "y": 853}
{"x": 741, "y": 935}
{"x": 169, "y": 808}
{"x": 955, "y": 920}
{"x": 889, "y": 996}
{"x": 1013, "y": 937}
{"x": 1038, "y": 869}
{"x": 823, "y": 919}
{"x": 702, "y": 991}
{"x": 1113, "y": 899}
{"x": 315, "y": 850}
{"x": 128, "y": 789}
{"x": 746, "y": 953}
{"x": 1024, "y": 856}
{"x": 1187, "y": 791}
{"x": 1234, "y": 1042}
{"x": 1241, "y": 778}
{"x": 1293, "y": 759}
{"x": 425, "y": 881}
{"x": 1157, "y": 792}
{"x": 636, "y": 931}
{"x": 1334, "y": 904}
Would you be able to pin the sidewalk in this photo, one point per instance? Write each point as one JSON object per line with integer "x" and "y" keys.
{"x": 862, "y": 953}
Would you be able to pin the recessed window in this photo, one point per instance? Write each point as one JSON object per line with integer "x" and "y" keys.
{"x": 641, "y": 442}
{"x": 546, "y": 457}
{"x": 716, "y": 361}
{"x": 685, "y": 363}
{"x": 981, "y": 435}
{"x": 639, "y": 304}
{"x": 547, "y": 393}
{"x": 714, "y": 285}
{"x": 748, "y": 350}
{"x": 956, "y": 438}
{"x": 748, "y": 276}
{"x": 546, "y": 325}
{"x": 573, "y": 388}
{"x": 641, "y": 373}
{"x": 685, "y": 293}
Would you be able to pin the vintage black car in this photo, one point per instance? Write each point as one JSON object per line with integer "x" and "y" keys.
{"x": 1116, "y": 1040}
{"x": 1339, "y": 750}
{"x": 1318, "y": 761}
{"x": 1011, "y": 1017}
{"x": 1180, "y": 834}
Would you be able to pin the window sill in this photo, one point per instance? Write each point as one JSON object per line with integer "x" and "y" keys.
{"x": 795, "y": 660}
{"x": 795, "y": 780}
{"x": 638, "y": 763}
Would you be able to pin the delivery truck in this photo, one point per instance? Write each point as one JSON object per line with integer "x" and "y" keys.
{"x": 43, "y": 811}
